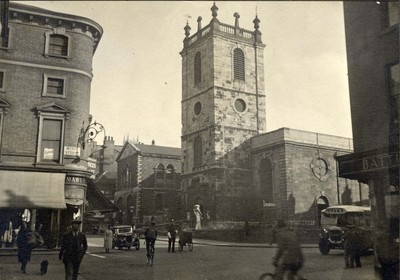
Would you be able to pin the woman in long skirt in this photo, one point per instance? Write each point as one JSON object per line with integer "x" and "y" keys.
{"x": 24, "y": 248}
{"x": 108, "y": 236}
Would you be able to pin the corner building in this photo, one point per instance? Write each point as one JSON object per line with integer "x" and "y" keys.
{"x": 223, "y": 106}
{"x": 372, "y": 44}
{"x": 45, "y": 78}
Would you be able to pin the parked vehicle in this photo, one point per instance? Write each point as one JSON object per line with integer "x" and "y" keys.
{"x": 125, "y": 237}
{"x": 335, "y": 221}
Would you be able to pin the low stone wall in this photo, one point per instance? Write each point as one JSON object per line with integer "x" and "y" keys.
{"x": 254, "y": 235}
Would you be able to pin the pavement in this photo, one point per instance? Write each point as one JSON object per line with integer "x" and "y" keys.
{"x": 9, "y": 267}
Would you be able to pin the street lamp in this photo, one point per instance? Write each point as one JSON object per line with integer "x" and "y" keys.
{"x": 90, "y": 132}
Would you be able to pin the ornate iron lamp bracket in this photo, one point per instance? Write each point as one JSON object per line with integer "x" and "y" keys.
{"x": 90, "y": 132}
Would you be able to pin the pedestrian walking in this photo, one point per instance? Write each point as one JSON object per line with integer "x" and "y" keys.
{"x": 172, "y": 231}
{"x": 108, "y": 237}
{"x": 73, "y": 248}
{"x": 352, "y": 247}
{"x": 25, "y": 245}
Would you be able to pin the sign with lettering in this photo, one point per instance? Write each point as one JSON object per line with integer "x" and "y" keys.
{"x": 368, "y": 164}
{"x": 48, "y": 153}
{"x": 72, "y": 151}
{"x": 334, "y": 211}
{"x": 75, "y": 179}
{"x": 91, "y": 164}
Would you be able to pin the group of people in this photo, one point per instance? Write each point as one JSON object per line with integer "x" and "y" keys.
{"x": 288, "y": 259}
{"x": 73, "y": 248}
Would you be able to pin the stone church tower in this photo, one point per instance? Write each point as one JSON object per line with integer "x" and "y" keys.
{"x": 223, "y": 107}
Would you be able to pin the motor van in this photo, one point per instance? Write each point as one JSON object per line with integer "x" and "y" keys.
{"x": 335, "y": 222}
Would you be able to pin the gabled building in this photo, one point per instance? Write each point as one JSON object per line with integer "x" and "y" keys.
{"x": 148, "y": 183}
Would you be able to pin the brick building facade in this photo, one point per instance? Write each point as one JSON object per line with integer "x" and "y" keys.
{"x": 45, "y": 77}
{"x": 148, "y": 183}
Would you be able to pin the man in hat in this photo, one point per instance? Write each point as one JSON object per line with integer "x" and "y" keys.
{"x": 172, "y": 231}
{"x": 73, "y": 248}
{"x": 288, "y": 256}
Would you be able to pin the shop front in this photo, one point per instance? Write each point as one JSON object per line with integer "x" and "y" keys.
{"x": 47, "y": 201}
{"x": 33, "y": 197}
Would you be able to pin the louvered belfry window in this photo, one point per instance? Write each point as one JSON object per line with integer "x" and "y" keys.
{"x": 238, "y": 64}
{"x": 197, "y": 68}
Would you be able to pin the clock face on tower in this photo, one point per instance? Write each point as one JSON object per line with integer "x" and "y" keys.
{"x": 320, "y": 168}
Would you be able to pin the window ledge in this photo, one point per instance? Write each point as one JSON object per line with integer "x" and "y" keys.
{"x": 53, "y": 95}
{"x": 57, "y": 56}
{"x": 7, "y": 49}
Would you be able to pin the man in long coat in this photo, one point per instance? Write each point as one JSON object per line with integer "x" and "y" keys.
{"x": 73, "y": 248}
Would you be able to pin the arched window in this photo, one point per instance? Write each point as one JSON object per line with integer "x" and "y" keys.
{"x": 170, "y": 172}
{"x": 266, "y": 182}
{"x": 197, "y": 68}
{"x": 238, "y": 64}
{"x": 198, "y": 151}
{"x": 160, "y": 171}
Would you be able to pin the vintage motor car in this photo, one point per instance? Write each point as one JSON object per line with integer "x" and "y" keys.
{"x": 335, "y": 222}
{"x": 125, "y": 237}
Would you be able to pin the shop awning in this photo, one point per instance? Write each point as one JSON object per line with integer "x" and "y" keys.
{"x": 21, "y": 189}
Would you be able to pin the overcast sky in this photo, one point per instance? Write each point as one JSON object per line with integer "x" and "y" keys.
{"x": 136, "y": 89}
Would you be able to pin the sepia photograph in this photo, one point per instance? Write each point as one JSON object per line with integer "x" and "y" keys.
{"x": 199, "y": 140}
